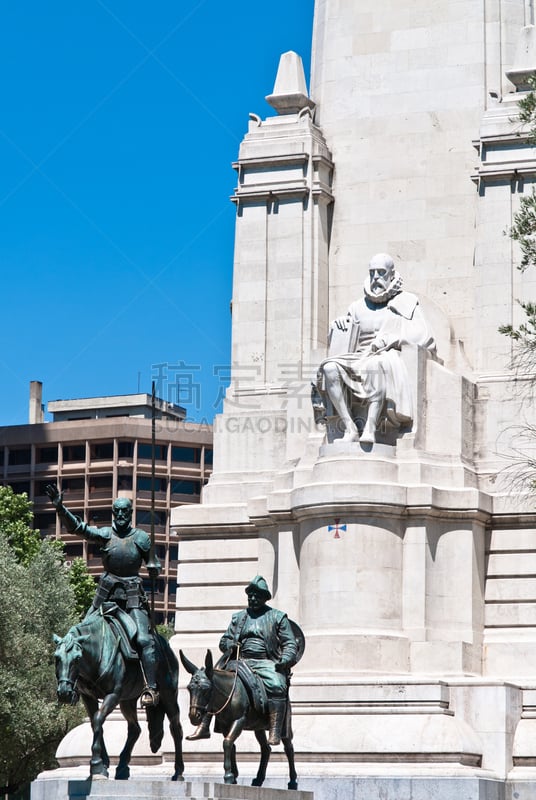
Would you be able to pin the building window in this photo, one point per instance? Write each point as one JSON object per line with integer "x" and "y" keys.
{"x": 125, "y": 449}
{"x": 159, "y": 587}
{"x": 74, "y": 550}
{"x": 47, "y": 455}
{"x": 99, "y": 517}
{"x": 40, "y": 487}
{"x": 73, "y": 484}
{"x": 191, "y": 455}
{"x": 74, "y": 452}
{"x": 185, "y": 487}
{"x": 209, "y": 457}
{"x": 102, "y": 451}
{"x": 145, "y": 484}
{"x": 19, "y": 455}
{"x": 143, "y": 517}
{"x": 45, "y": 522}
{"x": 101, "y": 482}
{"x": 146, "y": 451}
{"x": 124, "y": 483}
{"x": 20, "y": 486}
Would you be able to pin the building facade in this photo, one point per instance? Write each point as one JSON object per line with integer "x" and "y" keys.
{"x": 97, "y": 449}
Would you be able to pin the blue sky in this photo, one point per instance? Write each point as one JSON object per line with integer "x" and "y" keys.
{"x": 119, "y": 120}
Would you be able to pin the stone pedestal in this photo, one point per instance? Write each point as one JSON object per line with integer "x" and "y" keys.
{"x": 57, "y": 786}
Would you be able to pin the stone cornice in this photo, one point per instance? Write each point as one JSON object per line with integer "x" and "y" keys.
{"x": 253, "y": 194}
{"x": 376, "y": 500}
{"x": 268, "y": 189}
{"x": 505, "y": 170}
{"x": 282, "y": 160}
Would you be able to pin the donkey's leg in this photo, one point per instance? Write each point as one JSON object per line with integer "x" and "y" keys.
{"x": 265, "y": 757}
{"x": 289, "y": 752}
{"x": 234, "y": 765}
{"x": 98, "y": 767}
{"x": 128, "y": 709}
{"x": 229, "y": 750}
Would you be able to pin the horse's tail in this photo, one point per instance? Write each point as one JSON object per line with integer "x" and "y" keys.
{"x": 155, "y": 722}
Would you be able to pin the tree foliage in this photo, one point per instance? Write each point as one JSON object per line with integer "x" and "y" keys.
{"x": 523, "y": 230}
{"x": 15, "y": 524}
{"x": 83, "y": 586}
{"x": 522, "y": 468}
{"x": 527, "y": 110}
{"x": 37, "y": 600}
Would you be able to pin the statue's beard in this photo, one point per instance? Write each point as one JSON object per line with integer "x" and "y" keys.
{"x": 383, "y": 294}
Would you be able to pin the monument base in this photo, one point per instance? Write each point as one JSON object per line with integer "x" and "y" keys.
{"x": 370, "y": 784}
{"x": 73, "y": 784}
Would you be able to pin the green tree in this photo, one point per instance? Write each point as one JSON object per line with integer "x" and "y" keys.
{"x": 164, "y": 630}
{"x": 523, "y": 230}
{"x": 16, "y": 518}
{"x": 522, "y": 467}
{"x": 83, "y": 586}
{"x": 37, "y": 600}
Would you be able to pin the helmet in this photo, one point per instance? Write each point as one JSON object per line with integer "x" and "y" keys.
{"x": 259, "y": 584}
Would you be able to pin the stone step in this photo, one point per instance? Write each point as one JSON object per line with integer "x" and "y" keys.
{"x": 153, "y": 789}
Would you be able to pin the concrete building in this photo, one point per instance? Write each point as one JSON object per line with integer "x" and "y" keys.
{"x": 99, "y": 448}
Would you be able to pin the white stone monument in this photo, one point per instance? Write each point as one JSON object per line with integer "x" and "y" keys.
{"x": 407, "y": 562}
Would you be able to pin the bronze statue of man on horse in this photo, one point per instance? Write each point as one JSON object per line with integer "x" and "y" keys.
{"x": 124, "y": 549}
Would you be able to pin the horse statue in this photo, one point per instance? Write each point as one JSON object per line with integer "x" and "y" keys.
{"x": 94, "y": 661}
{"x": 224, "y": 694}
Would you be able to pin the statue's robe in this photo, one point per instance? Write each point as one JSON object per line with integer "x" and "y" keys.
{"x": 382, "y": 374}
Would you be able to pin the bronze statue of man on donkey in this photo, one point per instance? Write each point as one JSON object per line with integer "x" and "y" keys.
{"x": 260, "y": 638}
{"x": 248, "y": 689}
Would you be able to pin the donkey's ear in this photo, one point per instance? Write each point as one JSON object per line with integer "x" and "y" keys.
{"x": 187, "y": 664}
{"x": 209, "y": 664}
{"x": 56, "y": 639}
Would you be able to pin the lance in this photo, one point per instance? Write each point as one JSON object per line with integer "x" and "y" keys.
{"x": 151, "y": 564}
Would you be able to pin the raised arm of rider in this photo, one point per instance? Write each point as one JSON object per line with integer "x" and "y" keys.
{"x": 71, "y": 522}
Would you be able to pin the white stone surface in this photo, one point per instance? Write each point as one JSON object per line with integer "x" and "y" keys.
{"x": 148, "y": 786}
{"x": 410, "y": 565}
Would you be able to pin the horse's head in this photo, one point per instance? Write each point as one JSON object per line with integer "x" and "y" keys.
{"x": 200, "y": 686}
{"x": 68, "y": 654}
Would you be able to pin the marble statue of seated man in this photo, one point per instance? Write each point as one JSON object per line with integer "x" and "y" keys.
{"x": 369, "y": 369}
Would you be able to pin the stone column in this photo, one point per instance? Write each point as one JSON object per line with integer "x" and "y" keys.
{"x": 280, "y": 284}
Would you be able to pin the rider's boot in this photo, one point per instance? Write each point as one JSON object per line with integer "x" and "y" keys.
{"x": 276, "y": 714}
{"x": 149, "y": 696}
{"x": 203, "y": 729}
